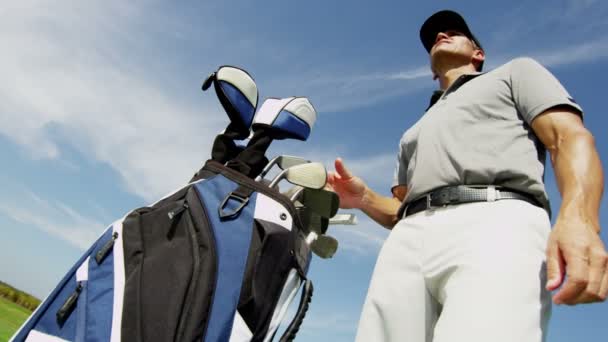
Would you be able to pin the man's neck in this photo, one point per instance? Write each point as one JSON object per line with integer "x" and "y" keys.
{"x": 449, "y": 76}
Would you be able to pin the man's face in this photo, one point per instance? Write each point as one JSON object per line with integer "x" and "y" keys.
{"x": 453, "y": 46}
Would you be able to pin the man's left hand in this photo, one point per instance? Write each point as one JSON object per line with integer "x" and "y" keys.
{"x": 575, "y": 249}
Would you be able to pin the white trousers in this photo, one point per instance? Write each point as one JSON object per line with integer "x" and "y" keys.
{"x": 471, "y": 272}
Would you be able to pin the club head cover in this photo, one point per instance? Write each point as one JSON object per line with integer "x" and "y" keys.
{"x": 288, "y": 118}
{"x": 237, "y": 93}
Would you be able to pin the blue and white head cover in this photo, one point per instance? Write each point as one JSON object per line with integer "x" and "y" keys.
{"x": 237, "y": 93}
{"x": 288, "y": 118}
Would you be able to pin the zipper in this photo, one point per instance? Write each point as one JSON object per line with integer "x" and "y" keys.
{"x": 105, "y": 250}
{"x": 195, "y": 267}
{"x": 68, "y": 306}
{"x": 174, "y": 213}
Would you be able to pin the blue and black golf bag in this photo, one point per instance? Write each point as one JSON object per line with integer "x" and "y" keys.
{"x": 220, "y": 259}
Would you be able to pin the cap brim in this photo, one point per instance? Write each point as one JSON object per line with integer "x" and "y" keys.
{"x": 440, "y": 22}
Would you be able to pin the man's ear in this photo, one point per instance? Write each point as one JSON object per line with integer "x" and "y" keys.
{"x": 478, "y": 56}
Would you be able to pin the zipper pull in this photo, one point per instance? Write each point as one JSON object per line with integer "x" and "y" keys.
{"x": 105, "y": 250}
{"x": 177, "y": 211}
{"x": 66, "y": 309}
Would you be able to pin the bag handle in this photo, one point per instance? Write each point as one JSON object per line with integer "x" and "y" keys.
{"x": 294, "y": 326}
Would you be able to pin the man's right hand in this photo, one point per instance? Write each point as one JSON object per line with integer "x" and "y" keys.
{"x": 349, "y": 188}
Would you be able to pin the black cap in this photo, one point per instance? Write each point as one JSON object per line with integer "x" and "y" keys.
{"x": 444, "y": 21}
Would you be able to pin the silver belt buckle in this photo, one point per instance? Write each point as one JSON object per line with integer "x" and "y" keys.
{"x": 428, "y": 202}
{"x": 492, "y": 194}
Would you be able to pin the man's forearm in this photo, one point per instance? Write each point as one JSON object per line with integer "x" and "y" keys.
{"x": 579, "y": 175}
{"x": 381, "y": 209}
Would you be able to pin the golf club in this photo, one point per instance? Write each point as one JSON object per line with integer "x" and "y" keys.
{"x": 289, "y": 118}
{"x": 309, "y": 175}
{"x": 283, "y": 162}
{"x": 323, "y": 246}
{"x": 343, "y": 219}
{"x": 293, "y": 192}
{"x": 323, "y": 202}
{"x": 311, "y": 221}
{"x": 238, "y": 95}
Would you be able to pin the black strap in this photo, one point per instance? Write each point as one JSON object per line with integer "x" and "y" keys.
{"x": 294, "y": 326}
{"x": 251, "y": 161}
{"x": 224, "y": 146}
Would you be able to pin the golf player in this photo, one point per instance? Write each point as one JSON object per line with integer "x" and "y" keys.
{"x": 471, "y": 255}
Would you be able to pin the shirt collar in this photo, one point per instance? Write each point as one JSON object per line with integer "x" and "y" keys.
{"x": 437, "y": 94}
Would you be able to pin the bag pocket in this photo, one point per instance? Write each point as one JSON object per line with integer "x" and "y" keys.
{"x": 166, "y": 251}
{"x": 270, "y": 260}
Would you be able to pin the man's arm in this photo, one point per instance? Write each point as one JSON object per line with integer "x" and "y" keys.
{"x": 574, "y": 245}
{"x": 354, "y": 193}
{"x": 382, "y": 209}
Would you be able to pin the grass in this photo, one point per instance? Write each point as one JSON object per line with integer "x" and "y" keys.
{"x": 11, "y": 318}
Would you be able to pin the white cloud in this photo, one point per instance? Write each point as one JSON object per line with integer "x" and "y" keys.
{"x": 575, "y": 53}
{"x": 71, "y": 73}
{"x": 52, "y": 217}
{"x": 333, "y": 91}
{"x": 412, "y": 74}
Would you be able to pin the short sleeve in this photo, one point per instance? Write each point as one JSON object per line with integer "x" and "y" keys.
{"x": 535, "y": 89}
{"x": 400, "y": 174}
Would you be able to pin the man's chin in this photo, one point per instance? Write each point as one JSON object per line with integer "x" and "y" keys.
{"x": 446, "y": 56}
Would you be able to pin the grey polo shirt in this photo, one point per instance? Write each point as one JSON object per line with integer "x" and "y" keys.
{"x": 478, "y": 133}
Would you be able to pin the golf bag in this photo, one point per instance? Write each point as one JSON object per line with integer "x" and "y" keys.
{"x": 220, "y": 259}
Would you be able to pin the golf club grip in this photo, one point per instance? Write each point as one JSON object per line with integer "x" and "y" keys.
{"x": 292, "y": 329}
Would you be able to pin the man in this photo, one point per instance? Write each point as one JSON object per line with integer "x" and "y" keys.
{"x": 465, "y": 260}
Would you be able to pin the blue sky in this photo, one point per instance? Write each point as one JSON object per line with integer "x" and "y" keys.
{"x": 101, "y": 112}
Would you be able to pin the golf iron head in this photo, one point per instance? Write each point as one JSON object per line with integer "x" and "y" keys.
{"x": 283, "y": 162}
{"x": 312, "y": 221}
{"x": 309, "y": 175}
{"x": 323, "y": 202}
{"x": 324, "y": 246}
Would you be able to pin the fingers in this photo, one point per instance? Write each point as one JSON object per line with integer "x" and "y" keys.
{"x": 597, "y": 266}
{"x": 342, "y": 171}
{"x": 555, "y": 266}
{"x": 577, "y": 268}
{"x": 588, "y": 281}
{"x": 604, "y": 285}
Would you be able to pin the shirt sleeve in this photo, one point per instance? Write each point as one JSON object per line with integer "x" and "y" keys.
{"x": 400, "y": 174}
{"x": 535, "y": 89}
